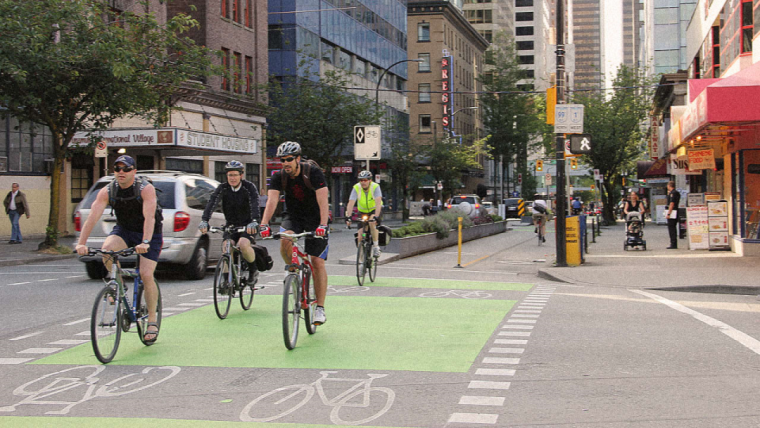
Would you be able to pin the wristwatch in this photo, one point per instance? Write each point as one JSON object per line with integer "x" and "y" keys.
{"x": 145, "y": 241}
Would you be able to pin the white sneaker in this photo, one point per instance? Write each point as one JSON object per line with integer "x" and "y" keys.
{"x": 375, "y": 251}
{"x": 319, "y": 316}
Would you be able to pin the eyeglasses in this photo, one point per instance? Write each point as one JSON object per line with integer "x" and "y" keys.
{"x": 290, "y": 159}
{"x": 364, "y": 179}
{"x": 123, "y": 168}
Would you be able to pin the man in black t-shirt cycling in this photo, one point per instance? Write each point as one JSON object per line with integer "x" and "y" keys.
{"x": 306, "y": 210}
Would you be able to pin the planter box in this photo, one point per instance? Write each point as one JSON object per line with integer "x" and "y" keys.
{"x": 413, "y": 245}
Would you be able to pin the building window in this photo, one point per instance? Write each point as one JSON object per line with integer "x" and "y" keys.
{"x": 360, "y": 67}
{"x": 524, "y": 16}
{"x": 479, "y": 16}
{"x": 716, "y": 51}
{"x": 400, "y": 84}
{"x": 247, "y": 14}
{"x": 488, "y": 35}
{"x": 236, "y": 73}
{"x": 219, "y": 174}
{"x": 192, "y": 166}
{"x": 248, "y": 75}
{"x": 525, "y": 59}
{"x": 524, "y": 31}
{"x": 526, "y": 45}
{"x": 747, "y": 26}
{"x": 424, "y": 92}
{"x": 523, "y": 3}
{"x": 423, "y": 32}
{"x": 226, "y": 66}
{"x": 225, "y": 10}
{"x": 344, "y": 60}
{"x": 425, "y": 124}
{"x": 252, "y": 173}
{"x": 327, "y": 53}
{"x": 236, "y": 10}
{"x": 424, "y": 65}
{"x": 528, "y": 74}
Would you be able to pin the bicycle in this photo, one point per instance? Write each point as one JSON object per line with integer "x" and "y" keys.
{"x": 365, "y": 261}
{"x": 361, "y": 388}
{"x": 113, "y": 313}
{"x": 539, "y": 222}
{"x": 298, "y": 291}
{"x": 230, "y": 273}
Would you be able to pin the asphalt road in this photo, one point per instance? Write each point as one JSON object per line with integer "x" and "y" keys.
{"x": 428, "y": 345}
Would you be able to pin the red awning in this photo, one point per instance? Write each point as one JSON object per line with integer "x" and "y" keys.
{"x": 733, "y": 99}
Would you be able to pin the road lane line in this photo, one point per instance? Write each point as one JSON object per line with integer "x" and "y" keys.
{"x": 192, "y": 304}
{"x": 39, "y": 351}
{"x": 748, "y": 341}
{"x": 186, "y": 294}
{"x": 510, "y": 342}
{"x": 514, "y": 333}
{"x": 499, "y": 360}
{"x": 476, "y": 400}
{"x": 175, "y": 309}
{"x": 473, "y": 418}
{"x": 519, "y": 321}
{"x": 487, "y": 384}
{"x": 77, "y": 321}
{"x": 20, "y": 283}
{"x": 68, "y": 342}
{"x": 518, "y": 326}
{"x": 74, "y": 276}
{"x": 506, "y": 350}
{"x": 524, "y": 316}
{"x": 6, "y": 361}
{"x": 84, "y": 333}
{"x": 495, "y": 372}
{"x": 26, "y": 336}
{"x": 526, "y": 311}
{"x": 46, "y": 280}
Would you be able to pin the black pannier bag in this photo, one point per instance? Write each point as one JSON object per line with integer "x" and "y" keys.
{"x": 385, "y": 235}
{"x": 263, "y": 260}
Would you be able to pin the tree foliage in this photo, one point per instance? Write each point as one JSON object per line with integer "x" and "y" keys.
{"x": 614, "y": 123}
{"x": 318, "y": 113}
{"x": 448, "y": 158}
{"x": 74, "y": 65}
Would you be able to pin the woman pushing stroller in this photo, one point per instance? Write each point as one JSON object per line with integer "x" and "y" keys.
{"x": 634, "y": 216}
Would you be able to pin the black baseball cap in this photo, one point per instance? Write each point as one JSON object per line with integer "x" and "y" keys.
{"x": 126, "y": 160}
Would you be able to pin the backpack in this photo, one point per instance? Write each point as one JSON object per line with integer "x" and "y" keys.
{"x": 305, "y": 172}
{"x": 539, "y": 208}
{"x": 263, "y": 260}
{"x": 135, "y": 191}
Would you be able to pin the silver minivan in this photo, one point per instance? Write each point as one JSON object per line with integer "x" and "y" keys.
{"x": 183, "y": 198}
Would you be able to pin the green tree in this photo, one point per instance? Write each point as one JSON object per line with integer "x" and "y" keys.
{"x": 404, "y": 163}
{"x": 74, "y": 65}
{"x": 448, "y": 158}
{"x": 318, "y": 113}
{"x": 614, "y": 123}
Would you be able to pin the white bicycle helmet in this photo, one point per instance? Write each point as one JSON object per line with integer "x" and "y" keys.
{"x": 365, "y": 175}
{"x": 289, "y": 148}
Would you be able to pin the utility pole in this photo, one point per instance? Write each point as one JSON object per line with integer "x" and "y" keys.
{"x": 560, "y": 149}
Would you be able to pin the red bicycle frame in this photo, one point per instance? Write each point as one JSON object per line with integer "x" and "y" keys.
{"x": 295, "y": 258}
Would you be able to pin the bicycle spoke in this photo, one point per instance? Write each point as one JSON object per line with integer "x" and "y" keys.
{"x": 105, "y": 325}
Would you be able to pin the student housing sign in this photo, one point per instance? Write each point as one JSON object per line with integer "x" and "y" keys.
{"x": 170, "y": 138}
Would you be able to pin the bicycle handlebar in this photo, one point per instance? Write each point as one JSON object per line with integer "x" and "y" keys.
{"x": 229, "y": 229}
{"x": 124, "y": 252}
{"x": 294, "y": 236}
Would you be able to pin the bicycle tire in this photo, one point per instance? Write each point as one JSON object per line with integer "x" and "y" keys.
{"x": 105, "y": 324}
{"x": 291, "y": 311}
{"x": 371, "y": 263}
{"x": 360, "y": 266}
{"x": 311, "y": 302}
{"x": 221, "y": 286}
{"x": 142, "y": 314}
{"x": 246, "y": 296}
{"x": 245, "y": 414}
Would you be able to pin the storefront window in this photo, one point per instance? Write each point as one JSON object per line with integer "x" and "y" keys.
{"x": 749, "y": 193}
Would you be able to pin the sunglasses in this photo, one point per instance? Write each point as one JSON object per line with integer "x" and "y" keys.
{"x": 123, "y": 168}
{"x": 290, "y": 159}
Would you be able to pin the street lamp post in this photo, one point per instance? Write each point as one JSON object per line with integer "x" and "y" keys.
{"x": 377, "y": 89}
{"x": 451, "y": 128}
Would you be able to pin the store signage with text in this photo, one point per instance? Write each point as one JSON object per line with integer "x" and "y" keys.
{"x": 701, "y": 159}
{"x": 342, "y": 170}
{"x": 447, "y": 80}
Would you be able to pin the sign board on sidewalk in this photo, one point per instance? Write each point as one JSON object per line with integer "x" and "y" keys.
{"x": 101, "y": 149}
{"x": 367, "y": 142}
{"x": 697, "y": 227}
{"x": 568, "y": 119}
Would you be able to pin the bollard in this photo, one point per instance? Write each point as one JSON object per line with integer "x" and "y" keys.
{"x": 459, "y": 243}
{"x": 594, "y": 226}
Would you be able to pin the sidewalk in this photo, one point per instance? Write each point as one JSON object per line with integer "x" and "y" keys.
{"x": 26, "y": 252}
{"x": 657, "y": 267}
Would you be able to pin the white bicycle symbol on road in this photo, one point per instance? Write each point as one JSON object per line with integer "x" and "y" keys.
{"x": 280, "y": 401}
{"x": 66, "y": 380}
{"x": 465, "y": 294}
{"x": 332, "y": 289}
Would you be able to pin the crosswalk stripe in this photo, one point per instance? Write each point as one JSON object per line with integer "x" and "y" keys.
{"x": 514, "y": 333}
{"x": 487, "y": 384}
{"x": 510, "y": 342}
{"x": 68, "y": 342}
{"x": 499, "y": 360}
{"x": 6, "y": 361}
{"x": 495, "y": 372}
{"x": 39, "y": 351}
{"x": 506, "y": 350}
{"x": 521, "y": 321}
{"x": 473, "y": 418}
{"x": 476, "y": 400}
{"x": 519, "y": 327}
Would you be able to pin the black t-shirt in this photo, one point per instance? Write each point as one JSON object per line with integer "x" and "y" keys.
{"x": 300, "y": 201}
{"x": 240, "y": 207}
{"x": 129, "y": 208}
{"x": 673, "y": 196}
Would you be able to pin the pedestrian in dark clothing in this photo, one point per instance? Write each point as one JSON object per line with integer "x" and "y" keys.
{"x": 674, "y": 198}
{"x": 16, "y": 206}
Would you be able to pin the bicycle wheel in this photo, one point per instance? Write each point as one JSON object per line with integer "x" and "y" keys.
{"x": 105, "y": 325}
{"x": 361, "y": 268}
{"x": 222, "y": 287}
{"x": 291, "y": 311}
{"x": 371, "y": 263}
{"x": 142, "y": 313}
{"x": 246, "y": 288}
{"x": 311, "y": 302}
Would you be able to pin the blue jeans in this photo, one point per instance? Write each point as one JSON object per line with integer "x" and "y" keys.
{"x": 15, "y": 230}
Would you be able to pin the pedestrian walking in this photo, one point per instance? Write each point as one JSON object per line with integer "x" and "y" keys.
{"x": 16, "y": 206}
{"x": 674, "y": 198}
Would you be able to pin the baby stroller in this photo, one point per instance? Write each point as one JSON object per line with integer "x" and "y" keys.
{"x": 634, "y": 231}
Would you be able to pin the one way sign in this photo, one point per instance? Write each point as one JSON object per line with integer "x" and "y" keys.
{"x": 580, "y": 144}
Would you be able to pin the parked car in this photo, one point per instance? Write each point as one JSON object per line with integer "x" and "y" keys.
{"x": 183, "y": 198}
{"x": 510, "y": 207}
{"x": 470, "y": 205}
{"x": 490, "y": 209}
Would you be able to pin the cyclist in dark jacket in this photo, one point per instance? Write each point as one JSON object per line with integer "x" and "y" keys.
{"x": 240, "y": 205}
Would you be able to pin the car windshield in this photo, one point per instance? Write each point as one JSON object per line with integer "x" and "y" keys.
{"x": 164, "y": 189}
{"x": 460, "y": 199}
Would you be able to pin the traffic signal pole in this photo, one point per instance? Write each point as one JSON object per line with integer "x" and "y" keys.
{"x": 560, "y": 146}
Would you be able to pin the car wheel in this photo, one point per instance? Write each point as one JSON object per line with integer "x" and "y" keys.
{"x": 96, "y": 270}
{"x": 196, "y": 268}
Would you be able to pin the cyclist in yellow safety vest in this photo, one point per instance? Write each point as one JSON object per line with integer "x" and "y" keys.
{"x": 368, "y": 198}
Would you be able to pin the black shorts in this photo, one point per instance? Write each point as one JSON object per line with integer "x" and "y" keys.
{"x": 135, "y": 238}
{"x": 235, "y": 236}
{"x": 317, "y": 247}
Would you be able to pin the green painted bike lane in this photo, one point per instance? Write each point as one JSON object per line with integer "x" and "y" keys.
{"x": 367, "y": 332}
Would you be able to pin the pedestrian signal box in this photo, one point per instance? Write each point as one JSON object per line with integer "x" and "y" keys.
{"x": 539, "y": 165}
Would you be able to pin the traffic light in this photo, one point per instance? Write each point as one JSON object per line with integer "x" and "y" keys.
{"x": 623, "y": 181}
{"x": 574, "y": 163}
{"x": 593, "y": 187}
{"x": 519, "y": 178}
{"x": 539, "y": 165}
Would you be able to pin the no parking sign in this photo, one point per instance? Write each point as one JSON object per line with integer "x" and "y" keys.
{"x": 100, "y": 149}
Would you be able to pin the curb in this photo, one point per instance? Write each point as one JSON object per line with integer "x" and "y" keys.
{"x": 35, "y": 259}
{"x": 543, "y": 274}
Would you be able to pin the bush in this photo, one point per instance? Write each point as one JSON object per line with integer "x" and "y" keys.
{"x": 496, "y": 218}
{"x": 440, "y": 224}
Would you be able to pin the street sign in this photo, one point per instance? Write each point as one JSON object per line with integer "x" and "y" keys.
{"x": 367, "y": 142}
{"x": 568, "y": 119}
{"x": 596, "y": 175}
{"x": 439, "y": 186}
{"x": 580, "y": 144}
{"x": 548, "y": 179}
{"x": 101, "y": 149}
{"x": 515, "y": 194}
